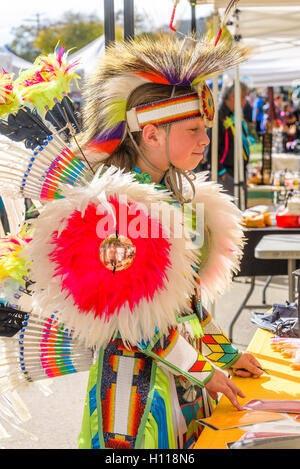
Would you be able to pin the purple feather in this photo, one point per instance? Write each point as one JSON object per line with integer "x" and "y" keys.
{"x": 111, "y": 134}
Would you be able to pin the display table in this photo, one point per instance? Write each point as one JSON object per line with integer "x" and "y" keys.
{"x": 281, "y": 246}
{"x": 255, "y": 267}
{"x": 260, "y": 194}
{"x": 282, "y": 382}
{"x": 282, "y": 161}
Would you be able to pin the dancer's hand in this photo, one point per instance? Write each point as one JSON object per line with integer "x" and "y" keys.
{"x": 221, "y": 383}
{"x": 247, "y": 366}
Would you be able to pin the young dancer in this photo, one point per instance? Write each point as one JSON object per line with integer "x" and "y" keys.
{"x": 160, "y": 138}
{"x": 106, "y": 256}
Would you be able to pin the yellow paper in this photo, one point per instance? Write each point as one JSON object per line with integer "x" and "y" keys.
{"x": 240, "y": 419}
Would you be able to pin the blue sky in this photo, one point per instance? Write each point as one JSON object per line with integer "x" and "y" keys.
{"x": 16, "y": 12}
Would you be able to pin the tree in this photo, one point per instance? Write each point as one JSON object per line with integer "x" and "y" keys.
{"x": 72, "y": 31}
{"x": 23, "y": 42}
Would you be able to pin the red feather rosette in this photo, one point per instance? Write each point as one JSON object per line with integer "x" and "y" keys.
{"x": 95, "y": 288}
{"x": 93, "y": 298}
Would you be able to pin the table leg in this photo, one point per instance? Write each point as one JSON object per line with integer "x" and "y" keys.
{"x": 268, "y": 281}
{"x": 291, "y": 268}
{"x": 298, "y": 307}
{"x": 237, "y": 314}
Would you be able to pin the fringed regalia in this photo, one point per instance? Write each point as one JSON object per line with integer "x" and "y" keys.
{"x": 86, "y": 285}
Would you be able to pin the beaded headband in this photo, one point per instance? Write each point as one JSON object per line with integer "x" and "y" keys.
{"x": 168, "y": 111}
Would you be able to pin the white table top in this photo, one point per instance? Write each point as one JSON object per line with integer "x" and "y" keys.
{"x": 278, "y": 246}
{"x": 282, "y": 161}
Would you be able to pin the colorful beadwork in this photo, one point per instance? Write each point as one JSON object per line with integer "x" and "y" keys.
{"x": 207, "y": 103}
{"x": 167, "y": 111}
{"x": 178, "y": 354}
{"x": 216, "y": 346}
{"x": 58, "y": 354}
{"x": 124, "y": 393}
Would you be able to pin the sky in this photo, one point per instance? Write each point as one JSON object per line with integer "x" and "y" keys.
{"x": 17, "y": 12}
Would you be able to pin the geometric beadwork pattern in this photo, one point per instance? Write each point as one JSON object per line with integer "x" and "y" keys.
{"x": 169, "y": 341}
{"x": 192, "y": 412}
{"x": 190, "y": 399}
{"x": 216, "y": 346}
{"x": 124, "y": 391}
{"x": 180, "y": 354}
{"x": 201, "y": 365}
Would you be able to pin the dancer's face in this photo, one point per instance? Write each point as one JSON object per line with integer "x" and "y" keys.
{"x": 187, "y": 141}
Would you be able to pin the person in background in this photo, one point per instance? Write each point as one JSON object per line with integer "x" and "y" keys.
{"x": 247, "y": 110}
{"x": 288, "y": 118}
{"x": 226, "y": 139}
{"x": 257, "y": 113}
{"x": 278, "y": 105}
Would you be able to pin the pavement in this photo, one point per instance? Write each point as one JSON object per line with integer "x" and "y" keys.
{"x": 56, "y": 419}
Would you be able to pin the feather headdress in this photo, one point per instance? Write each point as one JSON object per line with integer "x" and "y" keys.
{"x": 128, "y": 65}
{"x": 226, "y": 17}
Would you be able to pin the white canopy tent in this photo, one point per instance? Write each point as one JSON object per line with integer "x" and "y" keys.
{"x": 274, "y": 35}
{"x": 88, "y": 56}
{"x": 11, "y": 62}
{"x": 271, "y": 28}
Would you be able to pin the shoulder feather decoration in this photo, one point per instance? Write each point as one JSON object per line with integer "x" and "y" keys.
{"x": 98, "y": 303}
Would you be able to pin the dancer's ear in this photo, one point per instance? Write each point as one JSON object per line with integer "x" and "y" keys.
{"x": 152, "y": 135}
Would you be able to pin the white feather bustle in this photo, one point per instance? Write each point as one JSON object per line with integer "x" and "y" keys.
{"x": 134, "y": 326}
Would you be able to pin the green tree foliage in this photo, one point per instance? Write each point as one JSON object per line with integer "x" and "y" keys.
{"x": 22, "y": 44}
{"x": 73, "y": 31}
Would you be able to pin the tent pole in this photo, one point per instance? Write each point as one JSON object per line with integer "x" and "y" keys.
{"x": 215, "y": 129}
{"x": 193, "y": 23}
{"x": 238, "y": 156}
{"x": 239, "y": 188}
{"x": 128, "y": 19}
{"x": 109, "y": 21}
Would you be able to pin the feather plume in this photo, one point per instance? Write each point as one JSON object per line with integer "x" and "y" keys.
{"x": 222, "y": 250}
{"x": 9, "y": 100}
{"x": 12, "y": 263}
{"x": 39, "y": 175}
{"x": 147, "y": 295}
{"x": 47, "y": 81}
{"x": 226, "y": 15}
{"x": 228, "y": 12}
{"x": 44, "y": 348}
{"x": 173, "y": 15}
{"x": 45, "y": 125}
